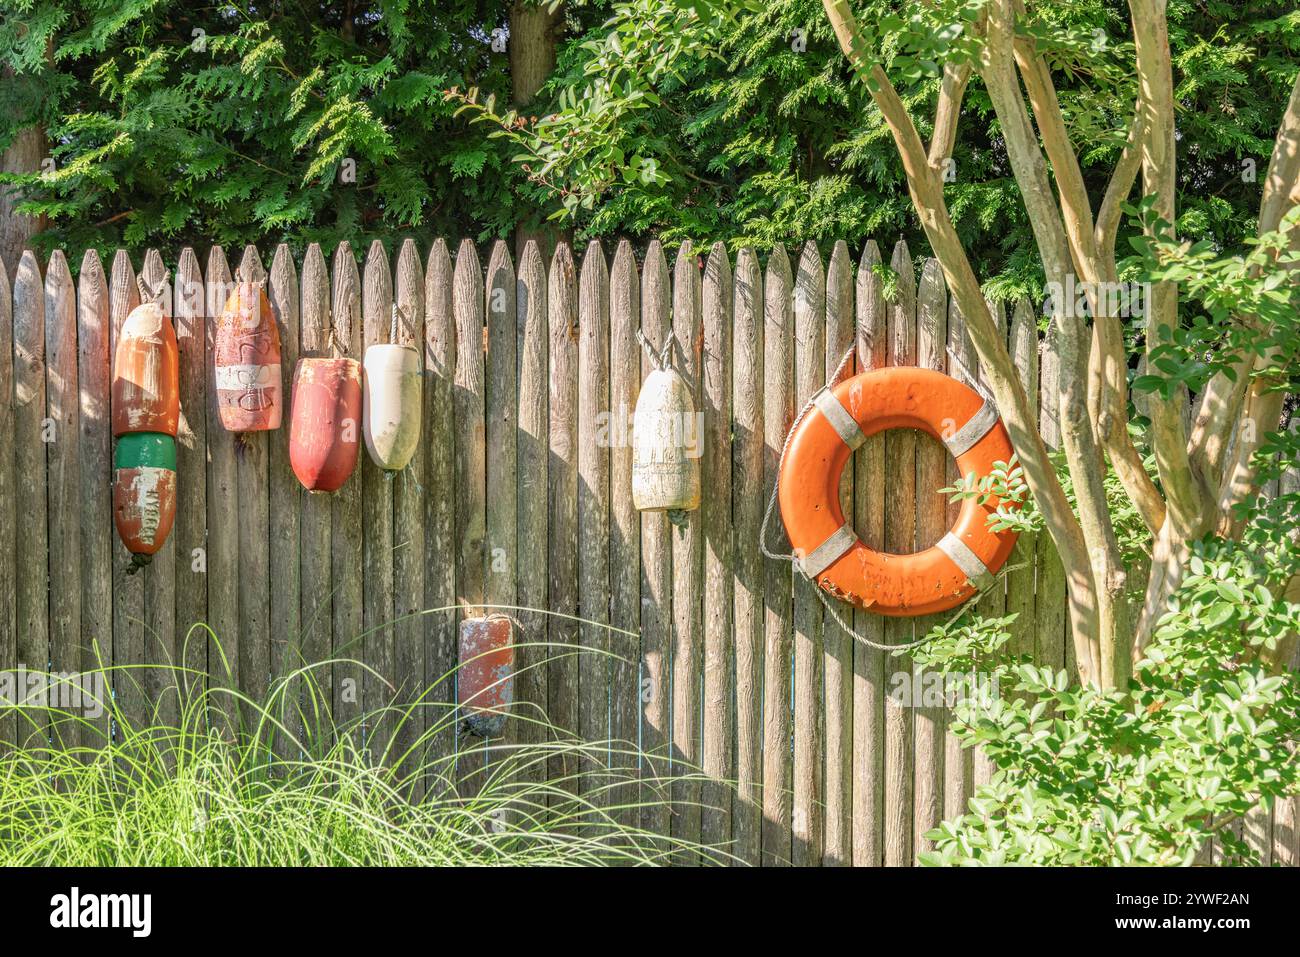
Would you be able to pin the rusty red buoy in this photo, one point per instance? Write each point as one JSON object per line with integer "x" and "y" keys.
{"x": 485, "y": 680}
{"x": 246, "y": 362}
{"x": 325, "y": 422}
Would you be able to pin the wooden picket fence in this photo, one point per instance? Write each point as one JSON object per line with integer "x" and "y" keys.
{"x": 692, "y": 645}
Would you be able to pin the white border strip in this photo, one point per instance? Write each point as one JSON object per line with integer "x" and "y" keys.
{"x": 845, "y": 426}
{"x": 828, "y": 552}
{"x": 977, "y": 426}
{"x": 976, "y": 571}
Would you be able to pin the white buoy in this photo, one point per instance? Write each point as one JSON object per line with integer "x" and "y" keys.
{"x": 391, "y": 412}
{"x": 665, "y": 446}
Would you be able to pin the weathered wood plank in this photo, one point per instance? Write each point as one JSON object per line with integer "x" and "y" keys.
{"x": 807, "y": 824}
{"x": 63, "y": 484}
{"x": 315, "y": 524}
{"x": 94, "y": 509}
{"x": 778, "y": 415}
{"x": 688, "y": 569}
{"x": 593, "y": 507}
{"x": 502, "y": 412}
{"x": 562, "y": 479}
{"x": 377, "y": 682}
{"x": 129, "y": 643}
{"x": 347, "y": 567}
{"x": 284, "y": 513}
{"x": 440, "y": 547}
{"x": 869, "y": 522}
{"x": 409, "y": 485}
{"x": 837, "y": 662}
{"x": 471, "y": 464}
{"x": 532, "y": 452}
{"x": 624, "y": 527}
{"x": 656, "y": 574}
{"x": 747, "y": 517}
{"x": 1050, "y": 604}
{"x": 931, "y": 524}
{"x": 161, "y": 647}
{"x": 1020, "y": 580}
{"x": 719, "y": 715}
{"x": 190, "y": 531}
{"x": 251, "y": 465}
{"x": 30, "y": 597}
{"x": 8, "y": 505}
{"x": 222, "y": 503}
{"x": 900, "y": 538}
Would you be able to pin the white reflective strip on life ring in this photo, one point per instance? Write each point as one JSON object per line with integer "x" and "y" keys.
{"x": 976, "y": 571}
{"x": 978, "y": 426}
{"x": 845, "y": 426}
{"x": 828, "y": 552}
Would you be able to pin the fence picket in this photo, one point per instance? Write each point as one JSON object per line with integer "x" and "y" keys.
{"x": 688, "y": 570}
{"x": 778, "y": 414}
{"x": 869, "y": 523}
{"x": 810, "y": 376}
{"x": 1020, "y": 580}
{"x": 562, "y": 481}
{"x": 624, "y": 522}
{"x": 931, "y": 523}
{"x": 190, "y": 532}
{"x": 8, "y": 505}
{"x": 718, "y": 718}
{"x": 747, "y": 516}
{"x": 656, "y": 574}
{"x": 593, "y": 508}
{"x": 94, "y": 509}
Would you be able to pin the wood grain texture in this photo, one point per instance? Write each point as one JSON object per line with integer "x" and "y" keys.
{"x": 9, "y": 504}
{"x": 440, "y": 623}
{"x": 1020, "y": 580}
{"x": 807, "y": 821}
{"x": 222, "y": 556}
{"x": 347, "y": 566}
{"x": 837, "y": 643}
{"x": 190, "y": 531}
{"x": 718, "y": 717}
{"x": 656, "y": 576}
{"x": 624, "y": 529}
{"x": 315, "y": 523}
{"x": 129, "y": 645}
{"x": 900, "y": 539}
{"x": 747, "y": 450}
{"x": 63, "y": 484}
{"x": 94, "y": 506}
{"x": 532, "y": 335}
{"x": 252, "y": 469}
{"x": 593, "y": 509}
{"x": 778, "y": 415}
{"x": 410, "y": 648}
{"x": 471, "y": 464}
{"x": 284, "y": 512}
{"x": 377, "y": 526}
{"x": 931, "y": 524}
{"x": 562, "y": 482}
{"x": 869, "y": 522}
{"x": 688, "y": 568}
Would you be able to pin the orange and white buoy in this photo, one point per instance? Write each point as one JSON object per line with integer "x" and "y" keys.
{"x": 246, "y": 362}
{"x": 392, "y": 404}
{"x": 145, "y": 399}
{"x": 325, "y": 422}
{"x": 485, "y": 679}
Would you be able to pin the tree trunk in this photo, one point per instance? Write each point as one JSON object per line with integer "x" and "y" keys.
{"x": 24, "y": 155}
{"x": 533, "y": 34}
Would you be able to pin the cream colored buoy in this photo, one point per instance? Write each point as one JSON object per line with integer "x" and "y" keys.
{"x": 665, "y": 446}
{"x": 391, "y": 414}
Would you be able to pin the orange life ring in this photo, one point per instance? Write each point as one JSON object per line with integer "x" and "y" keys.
{"x": 839, "y": 420}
